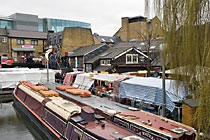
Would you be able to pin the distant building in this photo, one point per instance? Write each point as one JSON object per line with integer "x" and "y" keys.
{"x": 125, "y": 57}
{"x": 70, "y": 39}
{"x": 29, "y": 22}
{"x": 4, "y": 43}
{"x": 21, "y": 44}
{"x": 85, "y": 53}
{"x": 98, "y": 39}
{"x": 139, "y": 28}
{"x": 118, "y": 60}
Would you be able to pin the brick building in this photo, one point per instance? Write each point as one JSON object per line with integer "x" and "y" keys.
{"x": 17, "y": 44}
{"x": 4, "y": 43}
{"x": 70, "y": 39}
{"x": 139, "y": 28}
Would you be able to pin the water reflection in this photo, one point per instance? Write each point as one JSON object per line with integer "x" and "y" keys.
{"x": 13, "y": 127}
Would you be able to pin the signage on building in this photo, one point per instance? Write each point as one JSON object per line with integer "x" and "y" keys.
{"x": 27, "y": 46}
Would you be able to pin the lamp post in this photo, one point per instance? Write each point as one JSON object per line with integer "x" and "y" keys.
{"x": 47, "y": 59}
{"x": 47, "y": 69}
{"x": 163, "y": 82}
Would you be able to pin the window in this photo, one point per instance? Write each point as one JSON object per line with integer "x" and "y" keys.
{"x": 60, "y": 39}
{"x": 131, "y": 58}
{"x": 106, "y": 62}
{"x": 128, "y": 58}
{"x": 4, "y": 39}
{"x": 88, "y": 67}
{"x": 135, "y": 58}
{"x": 102, "y": 62}
{"x": 20, "y": 41}
{"x": 142, "y": 58}
{"x": 34, "y": 42}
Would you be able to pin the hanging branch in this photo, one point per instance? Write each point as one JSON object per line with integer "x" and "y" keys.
{"x": 187, "y": 25}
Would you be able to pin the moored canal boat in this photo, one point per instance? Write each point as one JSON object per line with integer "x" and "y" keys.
{"x": 70, "y": 117}
{"x": 59, "y": 118}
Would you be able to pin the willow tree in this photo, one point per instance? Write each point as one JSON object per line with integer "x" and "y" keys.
{"x": 187, "y": 36}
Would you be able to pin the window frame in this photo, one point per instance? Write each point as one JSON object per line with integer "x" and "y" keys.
{"x": 132, "y": 58}
{"x": 136, "y": 55}
{"x": 102, "y": 62}
{"x": 20, "y": 41}
{"x": 4, "y": 39}
{"x": 35, "y": 42}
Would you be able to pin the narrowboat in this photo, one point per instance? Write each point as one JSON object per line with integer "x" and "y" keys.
{"x": 61, "y": 119}
{"x": 61, "y": 115}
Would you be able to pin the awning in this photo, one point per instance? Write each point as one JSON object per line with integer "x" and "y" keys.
{"x": 23, "y": 49}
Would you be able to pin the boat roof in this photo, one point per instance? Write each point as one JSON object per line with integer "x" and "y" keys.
{"x": 95, "y": 102}
{"x": 157, "y": 123}
{"x": 110, "y": 131}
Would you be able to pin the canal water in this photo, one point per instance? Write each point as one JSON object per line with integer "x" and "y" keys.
{"x": 13, "y": 126}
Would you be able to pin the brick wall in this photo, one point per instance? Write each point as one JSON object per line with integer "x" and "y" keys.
{"x": 76, "y": 37}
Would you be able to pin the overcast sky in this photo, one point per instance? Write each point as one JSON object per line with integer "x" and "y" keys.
{"x": 104, "y": 15}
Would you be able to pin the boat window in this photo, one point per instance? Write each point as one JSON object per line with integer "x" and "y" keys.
{"x": 76, "y": 133}
{"x": 88, "y": 137}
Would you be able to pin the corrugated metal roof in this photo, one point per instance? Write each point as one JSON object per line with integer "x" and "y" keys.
{"x": 27, "y": 34}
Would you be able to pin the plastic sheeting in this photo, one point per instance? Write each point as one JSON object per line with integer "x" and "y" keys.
{"x": 149, "y": 90}
{"x": 83, "y": 81}
{"x": 10, "y": 77}
{"x": 69, "y": 78}
{"x": 109, "y": 77}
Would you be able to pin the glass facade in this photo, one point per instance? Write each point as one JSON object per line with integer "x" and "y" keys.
{"x": 58, "y": 25}
{"x": 40, "y": 27}
{"x": 6, "y": 23}
{"x": 44, "y": 24}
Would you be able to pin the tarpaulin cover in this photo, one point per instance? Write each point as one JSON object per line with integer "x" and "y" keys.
{"x": 83, "y": 81}
{"x": 108, "y": 77}
{"x": 149, "y": 90}
{"x": 10, "y": 77}
{"x": 69, "y": 78}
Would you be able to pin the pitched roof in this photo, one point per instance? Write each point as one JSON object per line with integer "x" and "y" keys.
{"x": 27, "y": 34}
{"x": 141, "y": 45}
{"x": 85, "y": 49}
{"x": 112, "y": 52}
{"x": 108, "y": 39}
{"x": 3, "y": 32}
{"x": 191, "y": 102}
{"x": 108, "y": 54}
